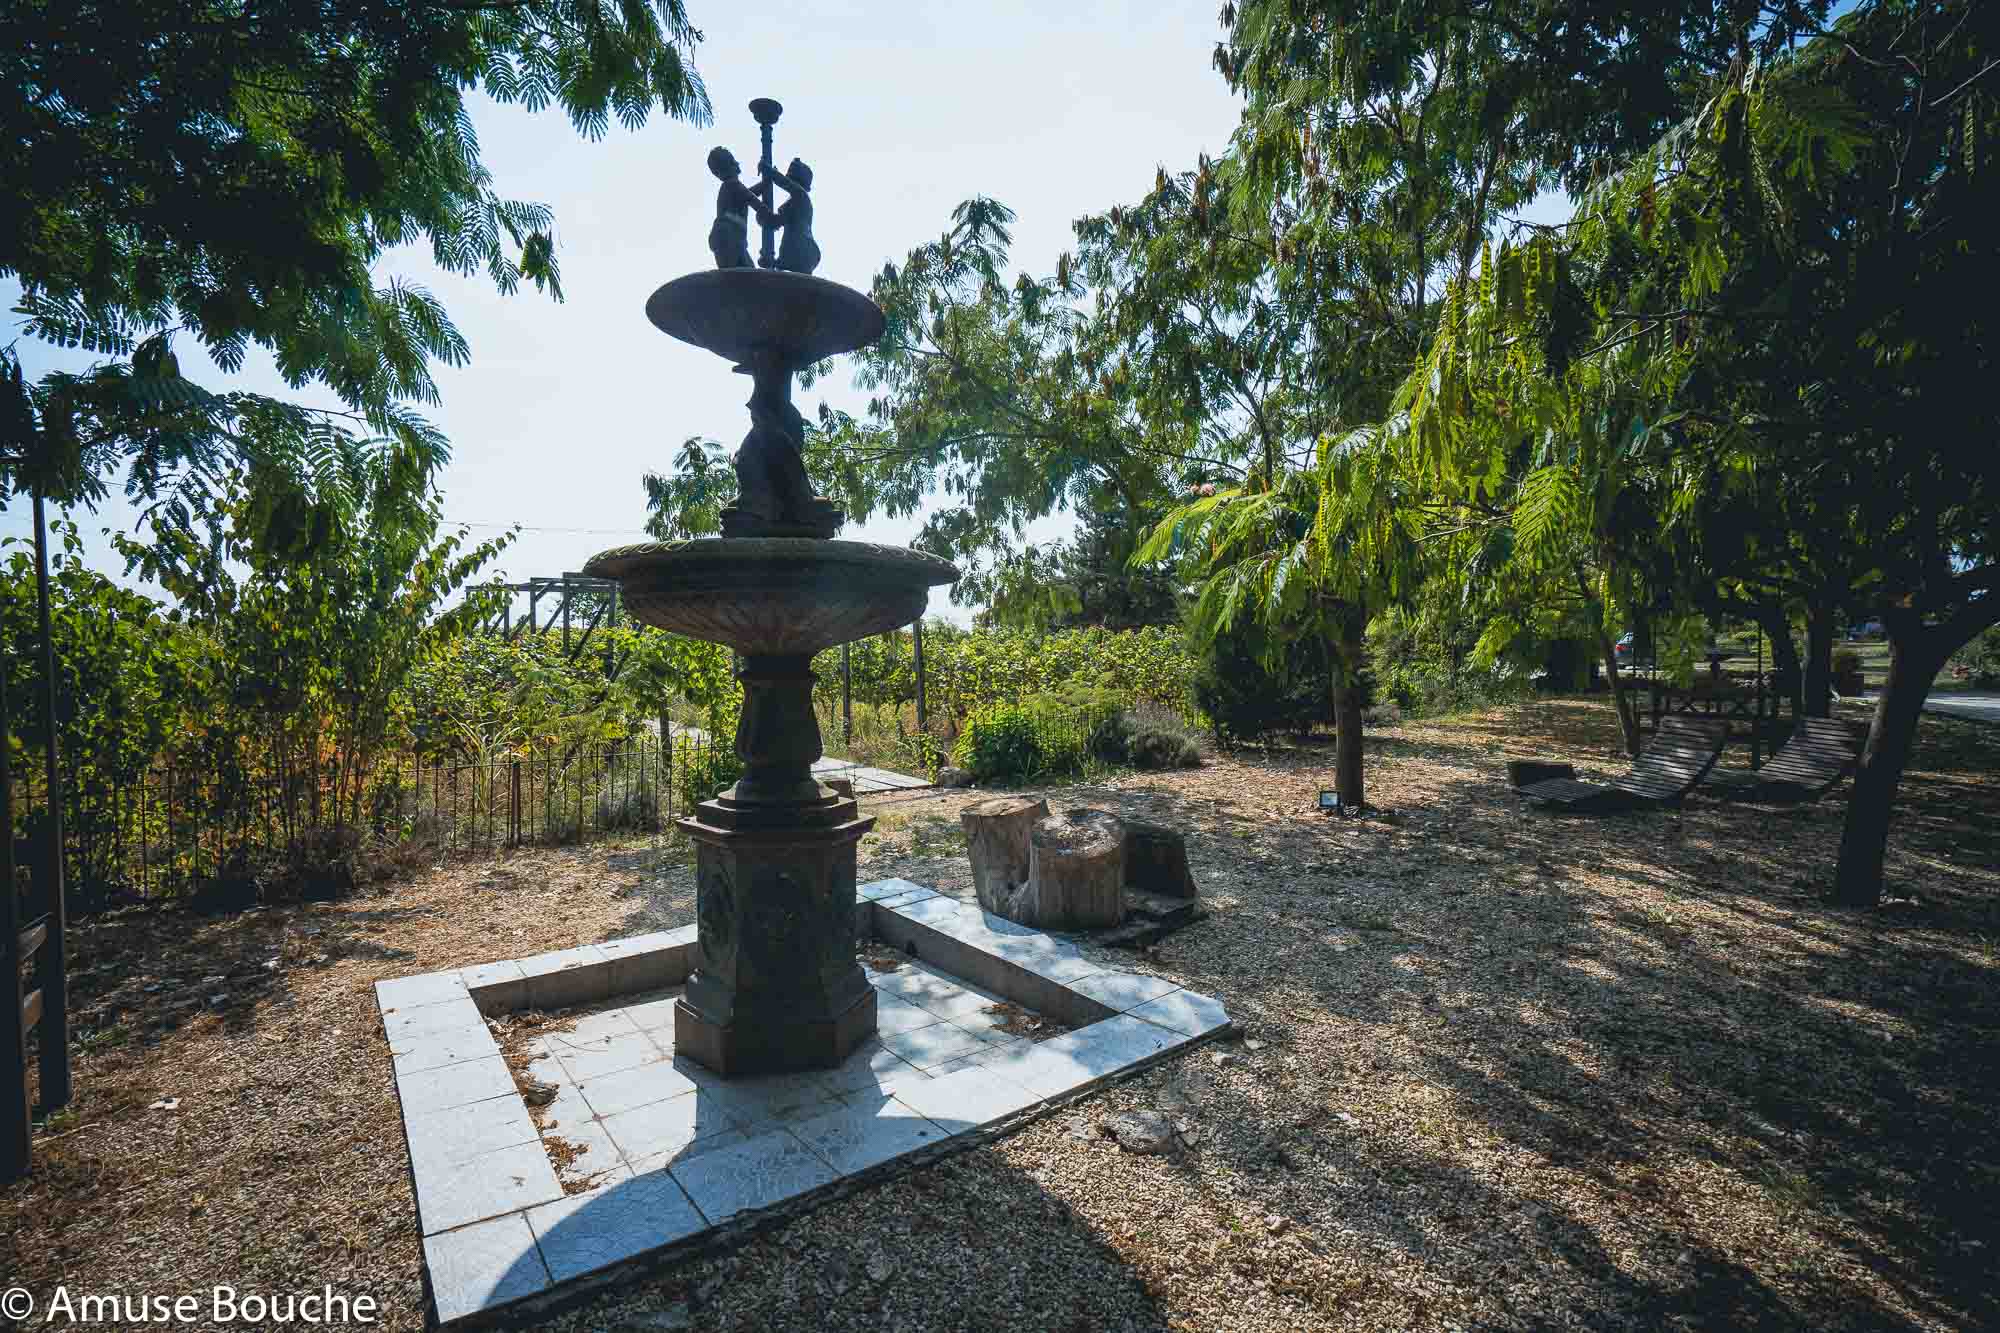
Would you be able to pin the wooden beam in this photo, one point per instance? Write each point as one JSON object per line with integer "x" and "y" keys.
{"x": 31, "y": 1010}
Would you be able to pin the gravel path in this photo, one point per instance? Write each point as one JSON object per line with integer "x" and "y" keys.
{"x": 1502, "y": 1070}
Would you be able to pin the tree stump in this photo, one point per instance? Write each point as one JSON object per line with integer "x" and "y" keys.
{"x": 1076, "y": 871}
{"x": 1524, "y": 772}
{"x": 996, "y": 837}
{"x": 1156, "y": 860}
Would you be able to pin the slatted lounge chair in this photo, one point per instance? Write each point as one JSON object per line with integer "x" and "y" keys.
{"x": 1682, "y": 752}
{"x": 1820, "y": 752}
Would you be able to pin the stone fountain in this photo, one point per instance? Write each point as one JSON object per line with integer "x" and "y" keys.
{"x": 776, "y": 986}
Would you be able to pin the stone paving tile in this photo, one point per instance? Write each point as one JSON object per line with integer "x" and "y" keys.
{"x": 762, "y": 1170}
{"x": 662, "y": 1161}
{"x": 986, "y": 1023}
{"x": 503, "y": 1181}
{"x": 595, "y": 1152}
{"x": 1184, "y": 1011}
{"x": 498, "y": 988}
{"x": 958, "y": 1002}
{"x": 567, "y": 1110}
{"x": 435, "y": 1050}
{"x": 598, "y": 1029}
{"x": 1123, "y": 990}
{"x": 896, "y": 1015}
{"x": 768, "y": 1097}
{"x": 653, "y": 1014}
{"x": 871, "y": 1068}
{"x": 965, "y": 1099}
{"x": 915, "y": 984}
{"x": 626, "y": 1216}
{"x": 485, "y": 1265}
{"x": 907, "y": 896}
{"x": 1077, "y": 1059}
{"x": 924, "y": 1047}
{"x": 855, "y": 1135}
{"x": 449, "y": 1137}
{"x": 876, "y": 890}
{"x": 459, "y": 1014}
{"x": 668, "y": 1126}
{"x": 597, "y": 1061}
{"x": 638, "y": 1086}
{"x": 982, "y": 1057}
{"x": 931, "y": 911}
{"x": 566, "y": 977}
{"x": 412, "y": 992}
{"x": 454, "y": 1085}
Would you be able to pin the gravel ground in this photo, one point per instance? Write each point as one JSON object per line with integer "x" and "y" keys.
{"x": 1504, "y": 1069}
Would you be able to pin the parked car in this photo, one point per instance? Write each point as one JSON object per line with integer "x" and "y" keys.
{"x": 1623, "y": 648}
{"x": 1867, "y": 629}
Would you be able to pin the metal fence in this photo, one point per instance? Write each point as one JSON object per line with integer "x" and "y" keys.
{"x": 174, "y": 831}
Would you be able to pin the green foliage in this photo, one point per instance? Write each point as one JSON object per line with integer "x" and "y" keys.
{"x": 237, "y": 173}
{"x": 1248, "y": 692}
{"x": 1980, "y": 660}
{"x": 1043, "y": 736}
{"x": 999, "y": 744}
{"x": 702, "y": 767}
{"x": 966, "y": 670}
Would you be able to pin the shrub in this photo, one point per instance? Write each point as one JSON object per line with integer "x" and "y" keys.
{"x": 999, "y": 745}
{"x": 1245, "y": 699}
{"x": 1043, "y": 734}
{"x": 702, "y": 768}
{"x": 1980, "y": 660}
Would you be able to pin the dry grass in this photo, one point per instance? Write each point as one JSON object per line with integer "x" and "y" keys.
{"x": 1509, "y": 1069}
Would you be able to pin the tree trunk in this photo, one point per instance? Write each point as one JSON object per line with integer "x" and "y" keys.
{"x": 1621, "y": 698}
{"x": 1913, "y": 662}
{"x": 1818, "y": 683}
{"x": 1350, "y": 655}
{"x": 1076, "y": 871}
{"x": 1777, "y": 627}
{"x": 996, "y": 835}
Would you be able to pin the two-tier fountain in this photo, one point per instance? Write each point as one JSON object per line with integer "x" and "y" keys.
{"x": 776, "y": 985}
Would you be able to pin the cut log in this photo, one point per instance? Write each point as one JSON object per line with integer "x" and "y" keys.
{"x": 996, "y": 837}
{"x": 1524, "y": 772}
{"x": 1076, "y": 871}
{"x": 1156, "y": 860}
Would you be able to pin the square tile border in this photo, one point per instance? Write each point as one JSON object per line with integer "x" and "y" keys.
{"x": 1035, "y": 970}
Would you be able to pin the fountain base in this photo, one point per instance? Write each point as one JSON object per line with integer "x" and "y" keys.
{"x": 776, "y": 988}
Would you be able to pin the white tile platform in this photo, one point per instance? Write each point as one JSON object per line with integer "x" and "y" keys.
{"x": 665, "y": 1153}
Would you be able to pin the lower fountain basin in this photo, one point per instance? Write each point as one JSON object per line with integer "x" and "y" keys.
{"x": 773, "y": 596}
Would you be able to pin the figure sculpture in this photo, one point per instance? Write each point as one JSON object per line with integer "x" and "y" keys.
{"x": 797, "y": 252}
{"x": 729, "y": 236}
{"x": 771, "y": 482}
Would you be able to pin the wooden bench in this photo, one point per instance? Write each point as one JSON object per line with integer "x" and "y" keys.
{"x": 1680, "y": 755}
{"x": 1820, "y": 752}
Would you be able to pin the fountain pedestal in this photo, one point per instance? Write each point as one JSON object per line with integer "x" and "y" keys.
{"x": 776, "y": 986}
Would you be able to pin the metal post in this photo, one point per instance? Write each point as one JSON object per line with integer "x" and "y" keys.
{"x": 846, "y": 699}
{"x": 52, "y": 968}
{"x": 766, "y": 113}
{"x": 565, "y": 614}
{"x": 917, "y": 657}
{"x": 16, "y": 1135}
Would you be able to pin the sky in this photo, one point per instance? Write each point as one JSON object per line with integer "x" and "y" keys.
{"x": 902, "y": 110}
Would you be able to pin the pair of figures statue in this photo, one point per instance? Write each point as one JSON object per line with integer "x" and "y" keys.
{"x": 729, "y": 238}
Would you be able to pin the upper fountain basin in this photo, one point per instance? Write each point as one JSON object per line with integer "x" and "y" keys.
{"x": 748, "y": 314}
{"x": 773, "y": 596}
